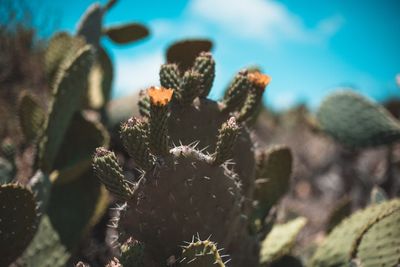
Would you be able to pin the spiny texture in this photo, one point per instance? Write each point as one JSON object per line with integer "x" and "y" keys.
{"x": 380, "y": 245}
{"x": 201, "y": 254}
{"x": 132, "y": 254}
{"x": 18, "y": 221}
{"x": 185, "y": 190}
{"x": 280, "y": 240}
{"x": 357, "y": 122}
{"x": 342, "y": 243}
{"x": 110, "y": 173}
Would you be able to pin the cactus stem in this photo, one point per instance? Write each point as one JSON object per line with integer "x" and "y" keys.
{"x": 226, "y": 140}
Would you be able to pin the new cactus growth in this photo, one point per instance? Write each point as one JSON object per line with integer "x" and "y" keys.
{"x": 202, "y": 254}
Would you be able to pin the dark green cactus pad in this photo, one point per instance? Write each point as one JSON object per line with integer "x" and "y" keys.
{"x": 184, "y": 53}
{"x": 340, "y": 246}
{"x": 380, "y": 245}
{"x": 90, "y": 24}
{"x": 75, "y": 206}
{"x": 18, "y": 221}
{"x": 69, "y": 92}
{"x": 45, "y": 249}
{"x": 173, "y": 206}
{"x": 100, "y": 80}
{"x": 61, "y": 46}
{"x": 357, "y": 122}
{"x": 75, "y": 154}
{"x": 274, "y": 169}
{"x": 280, "y": 240}
{"x": 201, "y": 254}
{"x": 126, "y": 33}
{"x": 31, "y": 116}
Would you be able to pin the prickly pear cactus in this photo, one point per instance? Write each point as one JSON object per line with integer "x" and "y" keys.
{"x": 380, "y": 245}
{"x": 197, "y": 165}
{"x": 357, "y": 122}
{"x": 18, "y": 221}
{"x": 280, "y": 240}
{"x": 340, "y": 247}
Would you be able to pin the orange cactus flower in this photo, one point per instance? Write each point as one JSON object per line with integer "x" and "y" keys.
{"x": 159, "y": 95}
{"x": 259, "y": 79}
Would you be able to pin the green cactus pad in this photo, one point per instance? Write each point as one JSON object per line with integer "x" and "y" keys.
{"x": 274, "y": 168}
{"x": 69, "y": 93}
{"x": 90, "y": 24}
{"x": 61, "y": 46}
{"x": 357, "y": 122}
{"x": 201, "y": 254}
{"x": 185, "y": 52}
{"x": 339, "y": 247}
{"x": 380, "y": 245}
{"x": 45, "y": 248}
{"x": 126, "y": 33}
{"x": 31, "y": 116}
{"x": 75, "y": 154}
{"x": 100, "y": 80}
{"x": 70, "y": 216}
{"x": 18, "y": 221}
{"x": 280, "y": 240}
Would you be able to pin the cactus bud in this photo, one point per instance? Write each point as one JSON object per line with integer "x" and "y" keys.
{"x": 170, "y": 76}
{"x": 109, "y": 172}
{"x": 135, "y": 140}
{"x": 205, "y": 65}
{"x": 237, "y": 91}
{"x": 226, "y": 140}
{"x": 190, "y": 87}
{"x": 159, "y": 113}
{"x": 144, "y": 104}
{"x": 253, "y": 103}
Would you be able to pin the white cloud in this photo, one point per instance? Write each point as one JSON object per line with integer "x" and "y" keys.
{"x": 262, "y": 19}
{"x": 136, "y": 72}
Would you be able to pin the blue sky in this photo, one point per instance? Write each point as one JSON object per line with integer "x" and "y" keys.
{"x": 309, "y": 48}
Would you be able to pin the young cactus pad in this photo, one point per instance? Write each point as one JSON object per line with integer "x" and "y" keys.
{"x": 182, "y": 190}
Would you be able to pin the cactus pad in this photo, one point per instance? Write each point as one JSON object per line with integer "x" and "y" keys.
{"x": 339, "y": 247}
{"x": 274, "y": 168}
{"x": 18, "y": 221}
{"x": 357, "y": 122}
{"x": 69, "y": 91}
{"x": 185, "y": 52}
{"x": 31, "y": 116}
{"x": 126, "y": 33}
{"x": 280, "y": 240}
{"x": 45, "y": 248}
{"x": 380, "y": 245}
